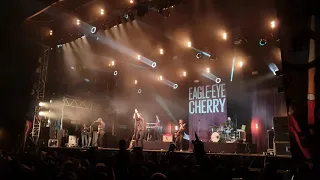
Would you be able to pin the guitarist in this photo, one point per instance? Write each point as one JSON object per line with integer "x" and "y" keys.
{"x": 179, "y": 134}
{"x": 139, "y": 128}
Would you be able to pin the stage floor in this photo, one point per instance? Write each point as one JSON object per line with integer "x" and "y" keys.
{"x": 163, "y": 151}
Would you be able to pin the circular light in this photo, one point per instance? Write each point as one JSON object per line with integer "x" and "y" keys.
{"x": 139, "y": 91}
{"x": 154, "y": 64}
{"x": 115, "y": 73}
{"x": 93, "y": 30}
{"x": 175, "y": 86}
{"x": 218, "y": 80}
{"x": 199, "y": 55}
{"x": 263, "y": 42}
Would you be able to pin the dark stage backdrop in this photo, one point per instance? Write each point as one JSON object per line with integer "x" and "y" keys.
{"x": 207, "y": 107}
{"x": 266, "y": 104}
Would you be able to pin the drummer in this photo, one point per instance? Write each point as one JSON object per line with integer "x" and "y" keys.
{"x": 229, "y": 127}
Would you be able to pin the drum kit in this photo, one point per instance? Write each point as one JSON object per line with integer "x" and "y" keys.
{"x": 221, "y": 134}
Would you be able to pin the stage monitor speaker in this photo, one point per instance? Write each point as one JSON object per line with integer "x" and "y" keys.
{"x": 281, "y": 131}
{"x": 282, "y": 148}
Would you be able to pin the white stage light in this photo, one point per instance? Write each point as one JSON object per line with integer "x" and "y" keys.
{"x": 41, "y": 104}
{"x": 160, "y": 78}
{"x": 224, "y": 36}
{"x": 135, "y": 81}
{"x": 218, "y": 80}
{"x": 175, "y": 86}
{"x": 139, "y": 57}
{"x": 199, "y": 55}
{"x": 161, "y": 51}
{"x": 208, "y": 70}
{"x": 154, "y": 64}
{"x": 102, "y": 11}
{"x": 78, "y": 22}
{"x": 93, "y": 30}
{"x": 115, "y": 73}
{"x": 184, "y": 74}
{"x": 189, "y": 44}
{"x": 41, "y": 113}
{"x": 139, "y": 91}
{"x": 50, "y": 32}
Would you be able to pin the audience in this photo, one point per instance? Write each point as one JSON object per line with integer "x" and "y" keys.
{"x": 126, "y": 165}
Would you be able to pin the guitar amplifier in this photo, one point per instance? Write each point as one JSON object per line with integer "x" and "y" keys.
{"x": 281, "y": 130}
{"x": 282, "y": 148}
{"x": 167, "y": 138}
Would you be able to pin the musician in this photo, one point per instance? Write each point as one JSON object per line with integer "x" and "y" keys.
{"x": 139, "y": 128}
{"x": 84, "y": 136}
{"x": 179, "y": 134}
{"x": 101, "y": 132}
{"x": 229, "y": 126}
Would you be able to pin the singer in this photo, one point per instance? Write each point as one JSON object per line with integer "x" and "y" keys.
{"x": 139, "y": 128}
{"x": 101, "y": 132}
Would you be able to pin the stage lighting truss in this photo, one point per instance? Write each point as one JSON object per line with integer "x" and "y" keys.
{"x": 154, "y": 64}
{"x": 218, "y": 80}
{"x": 139, "y": 91}
{"x": 115, "y": 73}
{"x": 175, "y": 86}
{"x": 93, "y": 30}
{"x": 199, "y": 55}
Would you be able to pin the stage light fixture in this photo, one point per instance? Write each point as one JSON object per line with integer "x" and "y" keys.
{"x": 154, "y": 64}
{"x": 78, "y": 22}
{"x": 218, "y": 80}
{"x": 278, "y": 73}
{"x": 50, "y": 32}
{"x": 189, "y": 44}
{"x": 50, "y": 101}
{"x": 86, "y": 80}
{"x": 160, "y": 78}
{"x": 240, "y": 63}
{"x": 131, "y": 1}
{"x": 199, "y": 55}
{"x": 175, "y": 86}
{"x": 224, "y": 36}
{"x": 139, "y": 57}
{"x": 139, "y": 91}
{"x": 208, "y": 70}
{"x": 112, "y": 63}
{"x": 41, "y": 113}
{"x": 41, "y": 104}
{"x": 184, "y": 74}
{"x": 102, "y": 11}
{"x": 93, "y": 30}
{"x": 263, "y": 42}
{"x": 115, "y": 73}
{"x": 135, "y": 81}
{"x": 161, "y": 51}
{"x": 273, "y": 24}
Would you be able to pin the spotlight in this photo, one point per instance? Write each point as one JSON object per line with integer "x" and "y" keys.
{"x": 224, "y": 36}
{"x": 102, "y": 11}
{"x": 218, "y": 80}
{"x": 161, "y": 51}
{"x": 93, "y": 30}
{"x": 240, "y": 63}
{"x": 139, "y": 91}
{"x": 184, "y": 74}
{"x": 175, "y": 86}
{"x": 278, "y": 73}
{"x": 154, "y": 64}
{"x": 189, "y": 44}
{"x": 199, "y": 55}
{"x": 135, "y": 81}
{"x": 41, "y": 113}
{"x": 208, "y": 70}
{"x": 115, "y": 73}
{"x": 139, "y": 57}
{"x": 262, "y": 42}
{"x": 50, "y": 32}
{"x": 41, "y": 104}
{"x": 112, "y": 63}
{"x": 273, "y": 24}
{"x": 78, "y": 22}
{"x": 160, "y": 78}
{"x": 50, "y": 101}
{"x": 131, "y": 1}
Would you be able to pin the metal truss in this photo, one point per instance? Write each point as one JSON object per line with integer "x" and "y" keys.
{"x": 76, "y": 103}
{"x": 40, "y": 91}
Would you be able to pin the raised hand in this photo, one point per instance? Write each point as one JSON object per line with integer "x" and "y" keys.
{"x": 197, "y": 144}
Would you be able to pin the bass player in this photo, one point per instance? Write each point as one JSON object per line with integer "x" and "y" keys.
{"x": 179, "y": 134}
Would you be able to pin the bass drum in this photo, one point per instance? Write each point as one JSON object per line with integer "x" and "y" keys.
{"x": 215, "y": 137}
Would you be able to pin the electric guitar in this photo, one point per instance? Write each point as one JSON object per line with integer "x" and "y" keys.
{"x": 180, "y": 129}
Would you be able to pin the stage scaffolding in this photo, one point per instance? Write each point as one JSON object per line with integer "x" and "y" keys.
{"x": 41, "y": 74}
{"x": 73, "y": 102}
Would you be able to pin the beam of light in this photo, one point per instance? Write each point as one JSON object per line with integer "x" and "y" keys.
{"x": 168, "y": 82}
{"x": 232, "y": 69}
{"x": 120, "y": 48}
{"x": 211, "y": 76}
{"x": 164, "y": 106}
{"x": 201, "y": 52}
{"x": 273, "y": 68}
